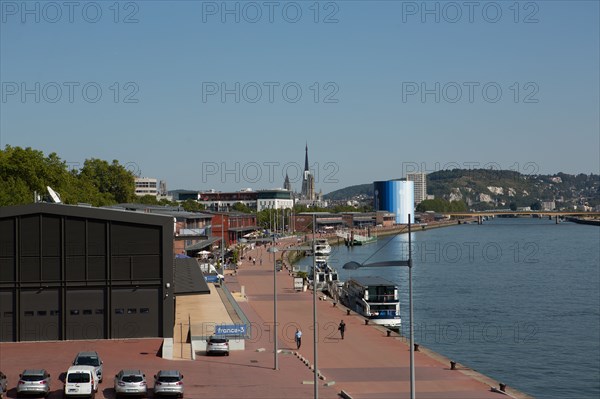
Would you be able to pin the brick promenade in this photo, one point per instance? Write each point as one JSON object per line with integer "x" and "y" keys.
{"x": 367, "y": 363}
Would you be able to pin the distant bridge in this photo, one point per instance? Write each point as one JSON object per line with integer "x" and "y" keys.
{"x": 517, "y": 213}
{"x": 550, "y": 214}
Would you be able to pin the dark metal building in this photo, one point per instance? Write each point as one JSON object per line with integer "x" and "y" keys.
{"x": 73, "y": 272}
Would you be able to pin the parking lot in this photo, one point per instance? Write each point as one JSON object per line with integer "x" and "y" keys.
{"x": 243, "y": 374}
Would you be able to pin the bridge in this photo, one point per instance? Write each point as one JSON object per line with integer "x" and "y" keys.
{"x": 550, "y": 214}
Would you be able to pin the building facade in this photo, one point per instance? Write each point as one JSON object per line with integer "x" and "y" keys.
{"x": 72, "y": 272}
{"x": 274, "y": 199}
{"x": 420, "y": 181}
{"x": 395, "y": 196}
{"x": 146, "y": 186}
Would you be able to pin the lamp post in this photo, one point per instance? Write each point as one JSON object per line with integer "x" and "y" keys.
{"x": 315, "y": 337}
{"x": 408, "y": 263}
{"x": 274, "y": 250}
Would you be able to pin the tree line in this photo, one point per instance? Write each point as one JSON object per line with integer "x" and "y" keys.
{"x": 24, "y": 171}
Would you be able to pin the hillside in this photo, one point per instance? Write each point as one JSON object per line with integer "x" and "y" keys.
{"x": 487, "y": 189}
{"x": 357, "y": 192}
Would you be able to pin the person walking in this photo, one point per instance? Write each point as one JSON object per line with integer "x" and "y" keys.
{"x": 342, "y": 328}
{"x": 298, "y": 337}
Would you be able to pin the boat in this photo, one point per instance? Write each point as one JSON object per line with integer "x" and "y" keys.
{"x": 372, "y": 297}
{"x": 322, "y": 250}
{"x": 352, "y": 238}
{"x": 322, "y": 247}
{"x": 326, "y": 275}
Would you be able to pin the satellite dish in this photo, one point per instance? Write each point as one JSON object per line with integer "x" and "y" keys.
{"x": 54, "y": 195}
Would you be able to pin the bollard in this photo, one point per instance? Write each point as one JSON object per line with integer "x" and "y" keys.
{"x": 416, "y": 347}
{"x": 389, "y": 333}
{"x": 502, "y": 387}
{"x": 348, "y": 312}
{"x": 366, "y": 322}
{"x": 452, "y": 365}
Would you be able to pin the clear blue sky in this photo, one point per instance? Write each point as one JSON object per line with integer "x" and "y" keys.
{"x": 371, "y": 62}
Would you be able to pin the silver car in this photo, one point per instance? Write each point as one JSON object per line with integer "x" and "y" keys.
{"x": 34, "y": 382}
{"x": 3, "y": 384}
{"x": 217, "y": 345}
{"x": 130, "y": 382}
{"x": 168, "y": 382}
{"x": 89, "y": 359}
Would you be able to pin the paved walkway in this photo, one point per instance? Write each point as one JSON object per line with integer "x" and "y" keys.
{"x": 367, "y": 363}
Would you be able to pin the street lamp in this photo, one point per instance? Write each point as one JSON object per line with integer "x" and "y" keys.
{"x": 274, "y": 250}
{"x": 408, "y": 263}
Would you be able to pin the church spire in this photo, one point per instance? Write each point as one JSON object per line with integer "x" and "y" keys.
{"x": 306, "y": 158}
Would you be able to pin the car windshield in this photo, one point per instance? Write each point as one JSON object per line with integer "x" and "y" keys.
{"x": 168, "y": 379}
{"x": 132, "y": 378}
{"x": 29, "y": 377}
{"x": 78, "y": 377}
{"x": 218, "y": 340}
{"x": 88, "y": 361}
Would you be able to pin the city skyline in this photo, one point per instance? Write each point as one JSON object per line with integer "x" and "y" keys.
{"x": 208, "y": 97}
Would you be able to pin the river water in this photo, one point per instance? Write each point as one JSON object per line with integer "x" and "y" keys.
{"x": 515, "y": 299}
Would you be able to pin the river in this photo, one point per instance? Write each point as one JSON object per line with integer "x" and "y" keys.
{"x": 515, "y": 299}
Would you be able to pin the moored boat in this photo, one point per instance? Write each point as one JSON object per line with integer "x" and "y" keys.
{"x": 372, "y": 297}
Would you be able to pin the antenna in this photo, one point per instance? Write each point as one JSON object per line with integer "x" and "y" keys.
{"x": 54, "y": 195}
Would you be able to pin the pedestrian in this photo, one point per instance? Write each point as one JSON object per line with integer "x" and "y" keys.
{"x": 261, "y": 261}
{"x": 254, "y": 261}
{"x": 298, "y": 337}
{"x": 342, "y": 328}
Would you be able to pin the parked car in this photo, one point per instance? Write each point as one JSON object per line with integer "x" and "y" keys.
{"x": 217, "y": 345}
{"x": 89, "y": 359}
{"x": 81, "y": 381}
{"x": 3, "y": 384}
{"x": 130, "y": 382}
{"x": 34, "y": 382}
{"x": 168, "y": 382}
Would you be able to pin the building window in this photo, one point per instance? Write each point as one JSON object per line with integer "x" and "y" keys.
{"x": 8, "y": 314}
{"x": 119, "y": 311}
{"x": 28, "y": 313}
{"x": 131, "y": 311}
{"x": 41, "y": 313}
{"x": 99, "y": 311}
{"x": 54, "y": 312}
{"x": 75, "y": 312}
{"x": 144, "y": 310}
{"x": 87, "y": 311}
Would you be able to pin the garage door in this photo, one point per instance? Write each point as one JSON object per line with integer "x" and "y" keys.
{"x": 40, "y": 315}
{"x": 85, "y": 314}
{"x": 135, "y": 313}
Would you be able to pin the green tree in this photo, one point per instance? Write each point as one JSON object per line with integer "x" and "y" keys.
{"x": 192, "y": 206}
{"x": 112, "y": 178}
{"x": 240, "y": 207}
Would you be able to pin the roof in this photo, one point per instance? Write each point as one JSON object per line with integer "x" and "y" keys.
{"x": 188, "y": 278}
{"x": 371, "y": 281}
{"x": 85, "y": 212}
{"x": 169, "y": 373}
{"x": 245, "y": 228}
{"x": 202, "y": 244}
{"x": 161, "y": 210}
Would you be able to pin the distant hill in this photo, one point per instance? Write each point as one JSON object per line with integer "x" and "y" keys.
{"x": 487, "y": 189}
{"x": 357, "y": 192}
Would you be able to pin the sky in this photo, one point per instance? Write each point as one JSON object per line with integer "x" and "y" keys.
{"x": 225, "y": 95}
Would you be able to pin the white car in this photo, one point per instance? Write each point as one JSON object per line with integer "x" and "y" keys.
{"x": 81, "y": 381}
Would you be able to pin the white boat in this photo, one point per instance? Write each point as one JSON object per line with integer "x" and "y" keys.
{"x": 322, "y": 247}
{"x": 372, "y": 297}
{"x": 352, "y": 238}
{"x": 322, "y": 250}
{"x": 326, "y": 275}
